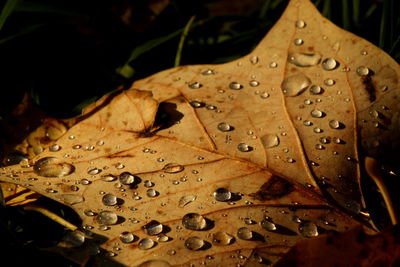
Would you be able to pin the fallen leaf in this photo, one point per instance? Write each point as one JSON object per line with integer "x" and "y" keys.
{"x": 351, "y": 248}
{"x": 216, "y": 164}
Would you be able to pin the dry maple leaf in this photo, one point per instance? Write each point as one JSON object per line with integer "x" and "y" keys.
{"x": 226, "y": 165}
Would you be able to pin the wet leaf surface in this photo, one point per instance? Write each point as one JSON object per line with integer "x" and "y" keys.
{"x": 217, "y": 164}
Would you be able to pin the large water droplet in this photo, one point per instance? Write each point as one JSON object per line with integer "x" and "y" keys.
{"x": 126, "y": 178}
{"x": 295, "y": 85}
{"x": 268, "y": 225}
{"x": 183, "y": 201}
{"x": 317, "y": 113}
{"x": 245, "y": 233}
{"x": 270, "y": 140}
{"x": 109, "y": 200}
{"x": 194, "y": 243}
{"x": 146, "y": 243}
{"x": 222, "y": 194}
{"x": 127, "y": 237}
{"x": 153, "y": 228}
{"x": 300, "y": 24}
{"x": 334, "y": 124}
{"x": 52, "y": 167}
{"x": 329, "y": 64}
{"x": 194, "y": 221}
{"x": 151, "y": 193}
{"x": 242, "y": 147}
{"x": 173, "y": 168}
{"x": 224, "y": 127}
{"x": 222, "y": 239}
{"x": 71, "y": 199}
{"x": 107, "y": 218}
{"x": 308, "y": 229}
{"x": 235, "y": 86}
{"x": 304, "y": 60}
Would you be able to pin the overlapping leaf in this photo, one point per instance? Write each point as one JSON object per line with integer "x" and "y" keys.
{"x": 230, "y": 163}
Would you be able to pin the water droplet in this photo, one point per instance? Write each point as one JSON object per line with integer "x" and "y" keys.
{"x": 94, "y": 171}
{"x": 85, "y": 182}
{"x": 197, "y": 104}
{"x": 264, "y": 95}
{"x": 194, "y": 243}
{"x": 71, "y": 137}
{"x": 71, "y": 199}
{"x": 173, "y": 168}
{"x": 73, "y": 239}
{"x": 148, "y": 183}
{"x": 248, "y": 221}
{"x": 317, "y": 113}
{"x": 295, "y": 85}
{"x": 89, "y": 212}
{"x": 108, "y": 178}
{"x": 363, "y": 52}
{"x": 300, "y": 24}
{"x": 151, "y": 193}
{"x": 153, "y": 228}
{"x": 307, "y": 123}
{"x": 100, "y": 143}
{"x": 222, "y": 239}
{"x": 195, "y": 85}
{"x": 107, "y": 218}
{"x": 127, "y": 237}
{"x": 319, "y": 147}
{"x": 329, "y": 82}
{"x": 52, "y": 167}
{"x": 308, "y": 229}
{"x": 183, "y": 201}
{"x": 334, "y": 124}
{"x": 224, "y": 127}
{"x": 171, "y": 252}
{"x": 270, "y": 140}
{"x": 290, "y": 160}
{"x": 254, "y": 60}
{"x": 315, "y": 90}
{"x": 304, "y": 60}
{"x": 235, "y": 86}
{"x": 54, "y": 148}
{"x": 254, "y": 83}
{"x": 109, "y": 200}
{"x": 362, "y": 71}
{"x": 337, "y": 140}
{"x": 268, "y": 225}
{"x": 242, "y": 147}
{"x": 208, "y": 72}
{"x": 245, "y": 233}
{"x": 325, "y": 140}
{"x": 298, "y": 41}
{"x": 163, "y": 238}
{"x": 273, "y": 65}
{"x": 329, "y": 64}
{"x": 146, "y": 243}
{"x": 222, "y": 194}
{"x": 126, "y": 178}
{"x": 194, "y": 221}
{"x": 384, "y": 88}
{"x": 76, "y": 147}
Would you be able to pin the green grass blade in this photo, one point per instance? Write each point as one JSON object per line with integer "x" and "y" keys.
{"x": 371, "y": 10}
{"x": 21, "y": 33}
{"x": 383, "y": 26}
{"x": 326, "y": 9}
{"x": 6, "y": 11}
{"x": 264, "y": 9}
{"x": 356, "y": 13}
{"x": 345, "y": 14}
{"x": 182, "y": 41}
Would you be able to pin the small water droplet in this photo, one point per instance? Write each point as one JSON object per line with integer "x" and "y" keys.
{"x": 363, "y": 71}
{"x": 119, "y": 166}
{"x": 304, "y": 60}
{"x": 85, "y": 182}
{"x": 107, "y": 218}
{"x": 254, "y": 83}
{"x": 52, "y": 167}
{"x": 94, "y": 171}
{"x": 126, "y": 178}
{"x": 329, "y": 64}
{"x": 108, "y": 178}
{"x": 235, "y": 86}
{"x": 295, "y": 85}
{"x": 334, "y": 124}
{"x": 268, "y": 225}
{"x": 222, "y": 239}
{"x": 308, "y": 229}
{"x": 222, "y": 194}
{"x": 151, "y": 193}
{"x": 76, "y": 147}
{"x": 89, "y": 212}
{"x": 71, "y": 199}
{"x": 300, "y": 24}
{"x": 384, "y": 88}
{"x": 71, "y": 137}
{"x": 197, "y": 104}
{"x": 318, "y": 130}
{"x": 264, "y": 95}
{"x": 173, "y": 168}
{"x": 208, "y": 72}
{"x": 270, "y": 140}
{"x": 224, "y": 127}
{"x": 245, "y": 233}
{"x": 183, "y": 201}
{"x": 319, "y": 147}
{"x": 73, "y": 239}
{"x": 100, "y": 143}
{"x": 148, "y": 183}
{"x": 363, "y": 52}
{"x": 254, "y": 60}
{"x": 194, "y": 221}
{"x": 54, "y": 148}
{"x": 162, "y": 238}
{"x": 298, "y": 41}
{"x": 315, "y": 90}
{"x": 307, "y": 123}
{"x": 194, "y": 243}
{"x": 317, "y": 113}
{"x": 325, "y": 140}
{"x": 109, "y": 200}
{"x": 242, "y": 147}
{"x": 195, "y": 85}
{"x": 273, "y": 65}
{"x": 153, "y": 228}
{"x": 127, "y": 237}
{"x": 290, "y": 160}
{"x": 146, "y": 243}
{"x": 329, "y": 82}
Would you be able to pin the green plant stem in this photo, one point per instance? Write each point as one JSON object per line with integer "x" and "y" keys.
{"x": 182, "y": 41}
{"x": 345, "y": 14}
{"x": 326, "y": 10}
{"x": 383, "y": 26}
{"x": 356, "y": 13}
{"x": 6, "y": 11}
